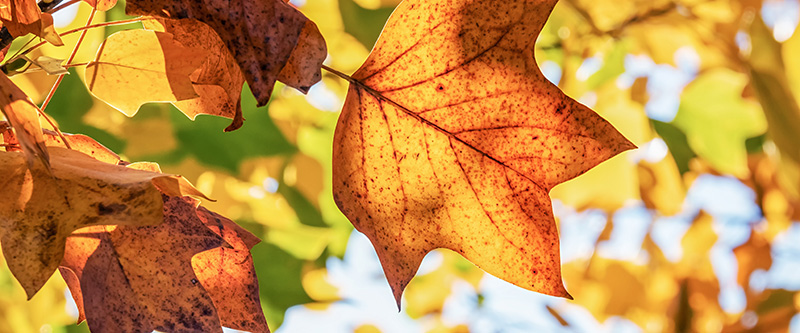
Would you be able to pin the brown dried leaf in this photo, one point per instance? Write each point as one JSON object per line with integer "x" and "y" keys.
{"x": 24, "y": 118}
{"x": 83, "y": 144}
{"x": 229, "y": 276}
{"x": 218, "y": 81}
{"x": 174, "y": 185}
{"x": 262, "y": 35}
{"x": 22, "y": 17}
{"x": 38, "y": 210}
{"x": 79, "y": 142}
{"x": 139, "y": 279}
{"x": 451, "y": 137}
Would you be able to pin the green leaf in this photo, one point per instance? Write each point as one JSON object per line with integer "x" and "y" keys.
{"x": 305, "y": 210}
{"x": 778, "y": 298}
{"x": 676, "y": 142}
{"x": 118, "y": 14}
{"x": 204, "y": 139}
{"x": 771, "y": 84}
{"x": 613, "y": 66}
{"x": 361, "y": 23}
{"x": 717, "y": 120}
{"x": 279, "y": 279}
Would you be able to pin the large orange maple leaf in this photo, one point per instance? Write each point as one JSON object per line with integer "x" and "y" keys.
{"x": 451, "y": 137}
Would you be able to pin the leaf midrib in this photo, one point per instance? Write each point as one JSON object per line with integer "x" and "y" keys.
{"x": 380, "y": 96}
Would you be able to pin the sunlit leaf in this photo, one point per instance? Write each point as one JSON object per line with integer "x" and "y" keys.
{"x": 135, "y": 67}
{"x": 270, "y": 39}
{"x": 451, "y": 137}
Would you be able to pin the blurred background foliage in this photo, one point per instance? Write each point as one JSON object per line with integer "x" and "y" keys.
{"x": 694, "y": 231}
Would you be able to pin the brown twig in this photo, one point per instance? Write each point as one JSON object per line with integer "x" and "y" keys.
{"x": 60, "y": 78}
{"x": 76, "y": 65}
{"x": 69, "y": 60}
{"x": 348, "y": 78}
{"x": 98, "y": 25}
{"x": 65, "y": 5}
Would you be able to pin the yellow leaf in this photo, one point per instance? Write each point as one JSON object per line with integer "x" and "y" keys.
{"x": 134, "y": 67}
{"x": 317, "y": 286}
{"x": 716, "y": 97}
{"x": 661, "y": 185}
{"x": 40, "y": 210}
{"x": 696, "y": 244}
{"x": 619, "y": 172}
{"x": 51, "y": 66}
{"x": 367, "y": 328}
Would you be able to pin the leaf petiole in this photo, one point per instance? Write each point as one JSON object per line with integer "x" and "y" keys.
{"x": 60, "y": 78}
{"x": 69, "y": 60}
{"x": 64, "y": 5}
{"x": 98, "y": 25}
{"x": 339, "y": 74}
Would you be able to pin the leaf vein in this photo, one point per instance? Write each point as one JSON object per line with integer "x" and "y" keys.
{"x": 480, "y": 202}
{"x": 466, "y": 61}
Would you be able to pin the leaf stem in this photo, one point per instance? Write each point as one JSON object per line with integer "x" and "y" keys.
{"x": 61, "y": 78}
{"x": 76, "y": 65}
{"x": 98, "y": 25}
{"x": 69, "y": 60}
{"x": 348, "y": 78}
{"x": 64, "y": 5}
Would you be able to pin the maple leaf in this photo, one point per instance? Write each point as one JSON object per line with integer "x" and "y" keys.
{"x": 79, "y": 142}
{"x": 39, "y": 208}
{"x": 24, "y": 118}
{"x": 131, "y": 279}
{"x": 21, "y": 17}
{"x": 218, "y": 80}
{"x": 451, "y": 137}
{"x": 268, "y": 38}
{"x": 229, "y": 276}
{"x": 134, "y": 67}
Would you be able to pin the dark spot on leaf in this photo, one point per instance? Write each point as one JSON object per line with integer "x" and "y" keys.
{"x": 110, "y": 209}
